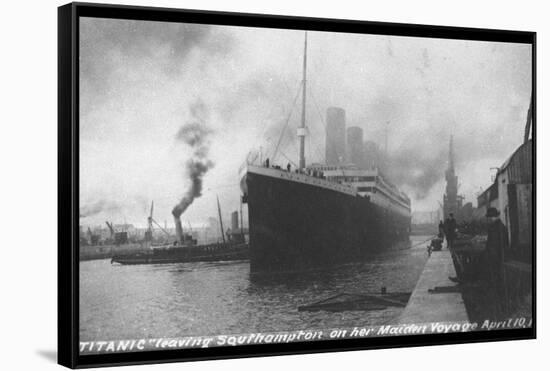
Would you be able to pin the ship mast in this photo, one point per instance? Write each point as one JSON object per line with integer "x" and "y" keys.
{"x": 220, "y": 215}
{"x": 528, "y": 122}
{"x": 302, "y": 127}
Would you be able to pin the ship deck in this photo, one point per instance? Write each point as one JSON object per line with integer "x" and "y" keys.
{"x": 301, "y": 178}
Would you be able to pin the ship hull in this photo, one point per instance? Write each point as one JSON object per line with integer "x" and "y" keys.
{"x": 296, "y": 226}
{"x": 205, "y": 253}
{"x": 96, "y": 252}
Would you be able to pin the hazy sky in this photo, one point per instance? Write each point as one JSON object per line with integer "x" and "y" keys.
{"x": 140, "y": 80}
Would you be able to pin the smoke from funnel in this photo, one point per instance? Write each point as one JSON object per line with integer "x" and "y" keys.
{"x": 195, "y": 134}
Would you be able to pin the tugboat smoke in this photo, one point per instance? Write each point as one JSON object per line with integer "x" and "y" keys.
{"x": 195, "y": 134}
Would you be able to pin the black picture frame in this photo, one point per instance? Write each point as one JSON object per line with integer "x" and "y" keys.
{"x": 68, "y": 180}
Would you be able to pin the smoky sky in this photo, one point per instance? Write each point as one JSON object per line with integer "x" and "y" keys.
{"x": 108, "y": 44}
{"x": 139, "y": 80}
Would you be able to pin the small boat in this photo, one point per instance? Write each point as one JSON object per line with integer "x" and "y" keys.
{"x": 358, "y": 302}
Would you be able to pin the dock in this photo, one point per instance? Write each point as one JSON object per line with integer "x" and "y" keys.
{"x": 436, "y": 298}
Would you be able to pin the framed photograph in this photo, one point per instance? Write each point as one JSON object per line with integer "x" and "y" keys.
{"x": 236, "y": 185}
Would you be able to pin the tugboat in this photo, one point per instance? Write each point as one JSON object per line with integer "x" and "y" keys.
{"x": 225, "y": 251}
{"x": 185, "y": 249}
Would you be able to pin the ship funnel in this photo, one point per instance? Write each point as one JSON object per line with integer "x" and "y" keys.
{"x": 177, "y": 222}
{"x": 355, "y": 146}
{"x": 371, "y": 154}
{"x": 235, "y": 221}
{"x": 179, "y": 229}
{"x": 335, "y": 148}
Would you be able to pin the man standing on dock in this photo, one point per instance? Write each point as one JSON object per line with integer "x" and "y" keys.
{"x": 450, "y": 230}
{"x": 497, "y": 242}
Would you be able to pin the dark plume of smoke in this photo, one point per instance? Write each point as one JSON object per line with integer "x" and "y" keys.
{"x": 97, "y": 207}
{"x": 194, "y": 134}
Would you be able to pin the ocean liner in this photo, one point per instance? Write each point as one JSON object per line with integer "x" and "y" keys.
{"x": 318, "y": 215}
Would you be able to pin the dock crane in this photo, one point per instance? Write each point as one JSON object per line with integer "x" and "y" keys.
{"x": 150, "y": 218}
{"x": 220, "y": 215}
{"x": 149, "y": 232}
{"x": 111, "y": 229}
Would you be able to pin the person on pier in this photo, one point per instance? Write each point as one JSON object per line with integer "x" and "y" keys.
{"x": 450, "y": 230}
{"x": 441, "y": 228}
{"x": 497, "y": 243}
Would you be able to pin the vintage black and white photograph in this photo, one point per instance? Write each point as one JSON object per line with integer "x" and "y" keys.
{"x": 245, "y": 186}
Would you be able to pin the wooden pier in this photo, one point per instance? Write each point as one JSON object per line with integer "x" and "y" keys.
{"x": 436, "y": 298}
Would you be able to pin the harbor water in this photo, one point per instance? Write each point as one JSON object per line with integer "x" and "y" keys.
{"x": 176, "y": 300}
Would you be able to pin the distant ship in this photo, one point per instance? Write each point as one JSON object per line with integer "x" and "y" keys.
{"x": 322, "y": 214}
